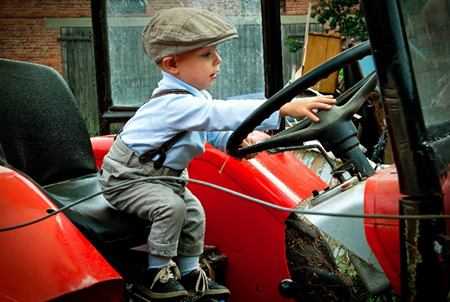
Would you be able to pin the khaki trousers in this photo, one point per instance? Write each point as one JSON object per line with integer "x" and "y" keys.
{"x": 177, "y": 216}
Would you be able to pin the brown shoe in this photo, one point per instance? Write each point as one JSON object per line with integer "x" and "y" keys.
{"x": 161, "y": 283}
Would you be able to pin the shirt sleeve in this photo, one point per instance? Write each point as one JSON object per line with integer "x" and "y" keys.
{"x": 197, "y": 114}
{"x": 219, "y": 139}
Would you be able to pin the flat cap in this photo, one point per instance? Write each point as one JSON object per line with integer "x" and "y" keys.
{"x": 178, "y": 30}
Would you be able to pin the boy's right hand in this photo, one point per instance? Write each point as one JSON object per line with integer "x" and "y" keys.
{"x": 249, "y": 141}
{"x": 305, "y": 107}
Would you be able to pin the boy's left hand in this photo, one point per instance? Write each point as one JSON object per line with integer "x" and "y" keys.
{"x": 249, "y": 141}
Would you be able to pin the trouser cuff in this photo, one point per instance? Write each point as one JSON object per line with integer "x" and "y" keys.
{"x": 195, "y": 249}
{"x": 162, "y": 250}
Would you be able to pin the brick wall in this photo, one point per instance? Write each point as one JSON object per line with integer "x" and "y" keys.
{"x": 23, "y": 35}
{"x": 298, "y": 7}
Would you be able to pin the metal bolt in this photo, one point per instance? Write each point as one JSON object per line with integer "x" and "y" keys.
{"x": 212, "y": 257}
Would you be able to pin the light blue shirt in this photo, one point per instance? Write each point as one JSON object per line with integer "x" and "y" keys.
{"x": 204, "y": 119}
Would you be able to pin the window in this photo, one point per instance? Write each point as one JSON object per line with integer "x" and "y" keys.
{"x": 134, "y": 76}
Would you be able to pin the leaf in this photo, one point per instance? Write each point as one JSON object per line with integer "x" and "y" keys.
{"x": 343, "y": 16}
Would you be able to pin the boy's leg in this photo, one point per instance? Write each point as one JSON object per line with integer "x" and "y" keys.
{"x": 191, "y": 247}
{"x": 192, "y": 234}
{"x": 155, "y": 201}
{"x": 187, "y": 264}
{"x": 158, "y": 203}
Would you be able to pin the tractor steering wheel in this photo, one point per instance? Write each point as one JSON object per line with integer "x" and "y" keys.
{"x": 328, "y": 118}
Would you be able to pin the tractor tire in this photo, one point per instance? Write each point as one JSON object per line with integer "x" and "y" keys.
{"x": 312, "y": 265}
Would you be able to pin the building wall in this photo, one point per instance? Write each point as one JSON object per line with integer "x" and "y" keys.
{"x": 25, "y": 37}
{"x": 297, "y": 7}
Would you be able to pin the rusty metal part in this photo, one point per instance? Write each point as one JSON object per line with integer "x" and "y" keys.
{"x": 211, "y": 274}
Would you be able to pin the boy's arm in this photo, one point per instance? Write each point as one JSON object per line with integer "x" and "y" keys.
{"x": 195, "y": 114}
{"x": 219, "y": 139}
{"x": 297, "y": 108}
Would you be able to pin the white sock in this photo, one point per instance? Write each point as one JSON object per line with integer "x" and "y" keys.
{"x": 187, "y": 264}
{"x": 157, "y": 262}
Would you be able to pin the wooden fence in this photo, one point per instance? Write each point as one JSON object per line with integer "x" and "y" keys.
{"x": 79, "y": 72}
{"x": 134, "y": 76}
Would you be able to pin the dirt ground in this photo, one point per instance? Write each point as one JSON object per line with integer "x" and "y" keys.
{"x": 310, "y": 260}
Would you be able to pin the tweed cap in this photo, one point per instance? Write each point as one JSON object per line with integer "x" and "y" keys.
{"x": 178, "y": 30}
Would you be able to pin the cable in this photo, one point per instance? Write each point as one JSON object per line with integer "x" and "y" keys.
{"x": 258, "y": 201}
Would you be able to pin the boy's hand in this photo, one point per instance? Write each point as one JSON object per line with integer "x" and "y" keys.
{"x": 249, "y": 141}
{"x": 304, "y": 107}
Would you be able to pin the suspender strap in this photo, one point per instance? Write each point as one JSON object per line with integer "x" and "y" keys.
{"x": 147, "y": 156}
{"x": 166, "y": 92}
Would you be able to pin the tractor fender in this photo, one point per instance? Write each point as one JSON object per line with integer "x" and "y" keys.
{"x": 49, "y": 259}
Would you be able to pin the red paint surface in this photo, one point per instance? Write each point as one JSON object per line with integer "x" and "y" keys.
{"x": 251, "y": 235}
{"x": 101, "y": 145}
{"x": 381, "y": 197}
{"x": 446, "y": 191}
{"x": 50, "y": 258}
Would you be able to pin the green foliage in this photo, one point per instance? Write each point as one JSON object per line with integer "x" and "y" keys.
{"x": 362, "y": 294}
{"x": 345, "y": 17}
{"x": 293, "y": 45}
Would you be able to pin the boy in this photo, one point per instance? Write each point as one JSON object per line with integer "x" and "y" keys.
{"x": 182, "y": 42}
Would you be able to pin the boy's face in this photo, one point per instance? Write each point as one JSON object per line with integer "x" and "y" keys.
{"x": 199, "y": 67}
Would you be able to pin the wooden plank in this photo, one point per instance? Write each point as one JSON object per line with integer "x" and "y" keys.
{"x": 329, "y": 84}
{"x": 294, "y": 59}
{"x": 79, "y": 76}
{"x": 79, "y": 72}
{"x": 305, "y": 44}
{"x": 64, "y": 54}
{"x": 321, "y": 47}
{"x": 90, "y": 80}
{"x": 291, "y": 59}
{"x": 284, "y": 52}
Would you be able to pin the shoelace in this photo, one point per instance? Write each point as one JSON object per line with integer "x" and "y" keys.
{"x": 201, "y": 281}
{"x": 165, "y": 273}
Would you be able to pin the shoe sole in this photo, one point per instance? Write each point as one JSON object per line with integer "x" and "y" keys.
{"x": 160, "y": 296}
{"x": 220, "y": 294}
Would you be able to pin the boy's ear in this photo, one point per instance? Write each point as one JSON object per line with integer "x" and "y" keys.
{"x": 170, "y": 64}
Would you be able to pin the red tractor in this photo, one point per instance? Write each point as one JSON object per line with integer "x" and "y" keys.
{"x": 61, "y": 240}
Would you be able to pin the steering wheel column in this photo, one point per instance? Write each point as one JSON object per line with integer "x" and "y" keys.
{"x": 345, "y": 145}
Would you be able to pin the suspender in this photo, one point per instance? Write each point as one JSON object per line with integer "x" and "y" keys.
{"x": 166, "y": 92}
{"x": 147, "y": 156}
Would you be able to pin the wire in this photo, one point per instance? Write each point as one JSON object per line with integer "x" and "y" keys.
{"x": 258, "y": 201}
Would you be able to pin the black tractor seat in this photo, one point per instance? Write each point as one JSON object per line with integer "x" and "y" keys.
{"x": 102, "y": 224}
{"x": 44, "y": 136}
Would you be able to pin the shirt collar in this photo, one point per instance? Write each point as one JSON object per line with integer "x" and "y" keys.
{"x": 171, "y": 82}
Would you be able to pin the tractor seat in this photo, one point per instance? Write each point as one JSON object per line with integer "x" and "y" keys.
{"x": 44, "y": 136}
{"x": 101, "y": 223}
